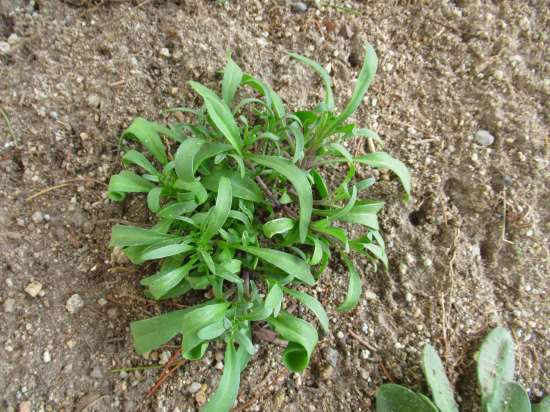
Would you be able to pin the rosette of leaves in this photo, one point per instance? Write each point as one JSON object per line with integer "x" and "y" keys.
{"x": 495, "y": 373}
{"x": 243, "y": 210}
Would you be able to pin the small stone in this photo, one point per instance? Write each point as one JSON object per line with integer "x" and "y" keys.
{"x": 365, "y": 354}
{"x": 37, "y": 217}
{"x": 508, "y": 180}
{"x": 96, "y": 373}
{"x": 333, "y": 357}
{"x": 93, "y": 100}
{"x": 340, "y": 335}
{"x": 299, "y": 7}
{"x": 218, "y": 356}
{"x": 370, "y": 295}
{"x": 74, "y": 304}
{"x": 123, "y": 375}
{"x": 165, "y": 357}
{"x": 165, "y": 52}
{"x": 14, "y": 38}
{"x": 408, "y": 297}
{"x": 118, "y": 257}
{"x": 33, "y": 288}
{"x": 102, "y": 301}
{"x": 112, "y": 313}
{"x": 194, "y": 387}
{"x": 200, "y": 396}
{"x": 9, "y": 305}
{"x": 219, "y": 365}
{"x": 484, "y": 138}
{"x": 326, "y": 373}
{"x": 25, "y": 406}
{"x": 46, "y": 357}
{"x": 5, "y": 47}
{"x": 71, "y": 343}
{"x": 409, "y": 258}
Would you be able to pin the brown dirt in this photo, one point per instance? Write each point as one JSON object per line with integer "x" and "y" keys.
{"x": 470, "y": 251}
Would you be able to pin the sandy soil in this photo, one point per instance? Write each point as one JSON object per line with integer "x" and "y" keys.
{"x": 470, "y": 252}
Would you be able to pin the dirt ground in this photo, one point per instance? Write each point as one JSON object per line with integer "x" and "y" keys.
{"x": 470, "y": 252}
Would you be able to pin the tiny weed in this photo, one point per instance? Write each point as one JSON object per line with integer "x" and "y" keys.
{"x": 495, "y": 373}
{"x": 243, "y": 212}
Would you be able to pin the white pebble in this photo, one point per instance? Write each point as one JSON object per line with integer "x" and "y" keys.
{"x": 33, "y": 288}
{"x": 9, "y": 305}
{"x": 37, "y": 217}
{"x": 165, "y": 52}
{"x": 165, "y": 357}
{"x": 5, "y": 47}
{"x": 194, "y": 387}
{"x": 484, "y": 138}
{"x": 46, "y": 357}
{"x": 74, "y": 303}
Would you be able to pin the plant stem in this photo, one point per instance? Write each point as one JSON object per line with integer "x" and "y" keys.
{"x": 274, "y": 199}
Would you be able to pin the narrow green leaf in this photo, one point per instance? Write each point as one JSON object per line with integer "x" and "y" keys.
{"x": 128, "y": 182}
{"x": 320, "y": 184}
{"x": 232, "y": 75}
{"x": 300, "y": 182}
{"x": 327, "y": 83}
{"x": 153, "y": 199}
{"x": 542, "y": 406}
{"x": 382, "y": 160}
{"x": 175, "y": 210}
{"x": 146, "y": 133}
{"x": 194, "y": 321}
{"x": 317, "y": 252}
{"x": 220, "y": 114}
{"x": 122, "y": 235}
{"x": 396, "y": 398}
{"x": 274, "y": 300}
{"x": 354, "y": 287}
{"x": 277, "y": 226}
{"x": 245, "y": 342}
{"x": 496, "y": 362}
{"x": 221, "y": 210}
{"x": 209, "y": 150}
{"x": 223, "y": 399}
{"x": 212, "y": 331}
{"x": 160, "y": 283}
{"x": 155, "y": 252}
{"x": 185, "y": 157}
{"x": 243, "y": 188}
{"x": 302, "y": 338}
{"x": 438, "y": 382}
{"x": 298, "y": 142}
{"x": 363, "y": 82}
{"x": 312, "y": 304}
{"x": 149, "y": 334}
{"x": 273, "y": 100}
{"x": 291, "y": 264}
{"x": 135, "y": 157}
{"x": 509, "y": 397}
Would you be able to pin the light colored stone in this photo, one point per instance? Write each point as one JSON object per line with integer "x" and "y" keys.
{"x": 194, "y": 387}
{"x": 9, "y": 305}
{"x": 484, "y": 138}
{"x": 37, "y": 217}
{"x": 46, "y": 357}
{"x": 165, "y": 357}
{"x": 33, "y": 288}
{"x": 5, "y": 47}
{"x": 25, "y": 406}
{"x": 165, "y": 52}
{"x": 74, "y": 304}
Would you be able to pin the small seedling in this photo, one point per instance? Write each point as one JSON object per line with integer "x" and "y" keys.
{"x": 244, "y": 213}
{"x": 495, "y": 373}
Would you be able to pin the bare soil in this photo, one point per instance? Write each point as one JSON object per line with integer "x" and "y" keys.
{"x": 469, "y": 252}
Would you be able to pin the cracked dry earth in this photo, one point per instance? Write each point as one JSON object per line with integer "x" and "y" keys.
{"x": 461, "y": 96}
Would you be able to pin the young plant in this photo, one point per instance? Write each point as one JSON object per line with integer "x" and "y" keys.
{"x": 495, "y": 373}
{"x": 243, "y": 212}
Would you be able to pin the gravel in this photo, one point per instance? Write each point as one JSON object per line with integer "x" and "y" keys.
{"x": 33, "y": 288}
{"x": 46, "y": 357}
{"x": 37, "y": 217}
{"x": 5, "y": 47}
{"x": 299, "y": 7}
{"x": 484, "y": 138}
{"x": 74, "y": 303}
{"x": 194, "y": 387}
{"x": 9, "y": 305}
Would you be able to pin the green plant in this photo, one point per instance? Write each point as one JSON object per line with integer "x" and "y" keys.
{"x": 243, "y": 211}
{"x": 495, "y": 373}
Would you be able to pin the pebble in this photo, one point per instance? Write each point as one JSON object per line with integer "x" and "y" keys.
{"x": 165, "y": 52}
{"x": 25, "y": 406}
{"x": 46, "y": 357}
{"x": 93, "y": 100}
{"x": 340, "y": 335}
{"x": 218, "y": 356}
{"x": 365, "y": 354}
{"x": 102, "y": 301}
{"x": 14, "y": 38}
{"x": 333, "y": 357}
{"x": 9, "y": 305}
{"x": 96, "y": 373}
{"x": 194, "y": 387}
{"x": 33, "y": 288}
{"x": 37, "y": 217}
{"x": 299, "y": 7}
{"x": 326, "y": 373}
{"x": 165, "y": 357}
{"x": 5, "y": 47}
{"x": 71, "y": 343}
{"x": 219, "y": 365}
{"x": 484, "y": 138}
{"x": 74, "y": 303}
